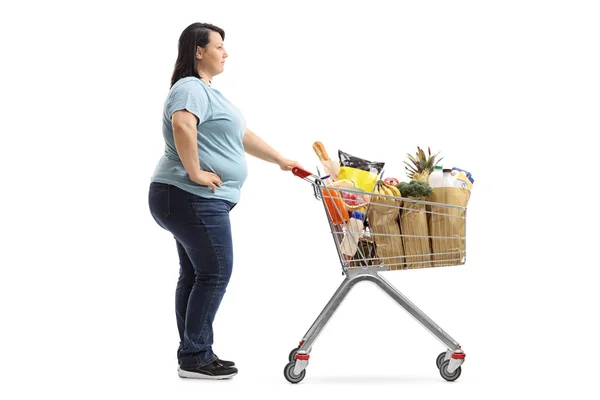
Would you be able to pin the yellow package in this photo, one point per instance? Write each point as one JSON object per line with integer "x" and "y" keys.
{"x": 364, "y": 180}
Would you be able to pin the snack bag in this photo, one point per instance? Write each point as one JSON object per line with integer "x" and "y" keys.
{"x": 363, "y": 179}
{"x": 362, "y": 172}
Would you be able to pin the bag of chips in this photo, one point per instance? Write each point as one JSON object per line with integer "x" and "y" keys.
{"x": 362, "y": 172}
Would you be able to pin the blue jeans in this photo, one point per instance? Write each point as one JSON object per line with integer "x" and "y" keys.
{"x": 202, "y": 234}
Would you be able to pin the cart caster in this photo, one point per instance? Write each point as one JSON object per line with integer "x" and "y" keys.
{"x": 440, "y": 359}
{"x": 292, "y": 356}
{"x": 450, "y": 377}
{"x": 288, "y": 372}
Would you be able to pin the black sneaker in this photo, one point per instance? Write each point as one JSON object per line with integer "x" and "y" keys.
{"x": 214, "y": 370}
{"x": 225, "y": 363}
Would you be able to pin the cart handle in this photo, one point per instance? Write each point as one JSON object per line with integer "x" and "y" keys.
{"x": 302, "y": 173}
{"x": 309, "y": 177}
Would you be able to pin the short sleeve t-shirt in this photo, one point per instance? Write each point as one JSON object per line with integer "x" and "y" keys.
{"x": 220, "y": 133}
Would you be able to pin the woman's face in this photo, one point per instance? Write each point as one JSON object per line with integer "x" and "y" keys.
{"x": 211, "y": 59}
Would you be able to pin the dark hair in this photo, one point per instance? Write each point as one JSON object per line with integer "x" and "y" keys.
{"x": 197, "y": 34}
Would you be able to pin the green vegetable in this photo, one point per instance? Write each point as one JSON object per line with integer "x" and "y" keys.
{"x": 415, "y": 189}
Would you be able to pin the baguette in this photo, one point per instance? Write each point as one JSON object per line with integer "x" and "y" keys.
{"x": 321, "y": 152}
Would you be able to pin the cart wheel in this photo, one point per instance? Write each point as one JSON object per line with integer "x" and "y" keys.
{"x": 288, "y": 372}
{"x": 292, "y": 356}
{"x": 447, "y": 375}
{"x": 440, "y": 359}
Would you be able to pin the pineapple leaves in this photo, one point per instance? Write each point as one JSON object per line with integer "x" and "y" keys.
{"x": 422, "y": 162}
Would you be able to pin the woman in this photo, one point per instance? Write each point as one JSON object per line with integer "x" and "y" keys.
{"x": 194, "y": 187}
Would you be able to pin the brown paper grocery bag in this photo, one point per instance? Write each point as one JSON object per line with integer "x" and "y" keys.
{"x": 415, "y": 234}
{"x": 447, "y": 226}
{"x": 385, "y": 231}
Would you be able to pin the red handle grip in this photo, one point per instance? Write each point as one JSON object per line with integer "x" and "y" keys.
{"x": 300, "y": 172}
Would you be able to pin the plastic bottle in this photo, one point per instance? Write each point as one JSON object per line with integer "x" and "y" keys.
{"x": 461, "y": 181}
{"x": 437, "y": 176}
{"x": 456, "y": 170}
{"x": 448, "y": 179}
{"x": 354, "y": 229}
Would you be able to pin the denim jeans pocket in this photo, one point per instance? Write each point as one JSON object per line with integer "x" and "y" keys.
{"x": 159, "y": 200}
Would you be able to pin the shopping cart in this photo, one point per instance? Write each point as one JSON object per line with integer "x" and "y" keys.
{"x": 396, "y": 233}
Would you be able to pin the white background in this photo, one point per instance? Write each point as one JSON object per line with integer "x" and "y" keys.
{"x": 508, "y": 90}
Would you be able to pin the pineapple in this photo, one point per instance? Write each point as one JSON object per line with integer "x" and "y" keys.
{"x": 422, "y": 165}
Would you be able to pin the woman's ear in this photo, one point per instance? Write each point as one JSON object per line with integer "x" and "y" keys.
{"x": 199, "y": 51}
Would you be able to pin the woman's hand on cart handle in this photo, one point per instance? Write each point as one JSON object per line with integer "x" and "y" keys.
{"x": 287, "y": 165}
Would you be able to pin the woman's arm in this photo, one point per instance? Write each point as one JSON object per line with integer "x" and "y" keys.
{"x": 186, "y": 142}
{"x": 258, "y": 148}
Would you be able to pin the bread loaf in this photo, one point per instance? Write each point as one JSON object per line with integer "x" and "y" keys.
{"x": 321, "y": 152}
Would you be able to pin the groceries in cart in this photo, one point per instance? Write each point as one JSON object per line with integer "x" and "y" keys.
{"x": 424, "y": 167}
{"x": 349, "y": 243}
{"x": 403, "y": 225}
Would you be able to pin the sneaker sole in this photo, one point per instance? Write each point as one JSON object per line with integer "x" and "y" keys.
{"x": 195, "y": 375}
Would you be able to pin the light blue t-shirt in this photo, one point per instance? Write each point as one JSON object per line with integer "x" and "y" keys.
{"x": 220, "y": 129}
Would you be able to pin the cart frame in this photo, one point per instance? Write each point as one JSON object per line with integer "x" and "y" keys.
{"x": 448, "y": 362}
